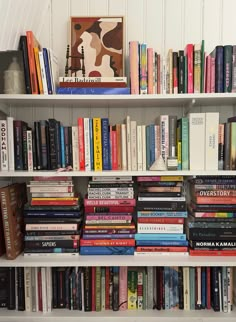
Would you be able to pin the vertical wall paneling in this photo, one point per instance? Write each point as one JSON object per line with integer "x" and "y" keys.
{"x": 98, "y": 9}
{"x": 79, "y": 8}
{"x": 44, "y": 28}
{"x": 193, "y": 21}
{"x": 60, "y": 30}
{"x": 211, "y": 24}
{"x": 229, "y": 22}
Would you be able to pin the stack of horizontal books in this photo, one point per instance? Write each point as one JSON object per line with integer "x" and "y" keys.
{"x": 52, "y": 220}
{"x": 161, "y": 209}
{"x": 211, "y": 224}
{"x": 108, "y": 222}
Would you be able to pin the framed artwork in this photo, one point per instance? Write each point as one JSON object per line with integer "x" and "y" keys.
{"x": 97, "y": 46}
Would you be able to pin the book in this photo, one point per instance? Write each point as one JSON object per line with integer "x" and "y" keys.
{"x": 23, "y": 47}
{"x": 32, "y": 42}
{"x": 197, "y": 125}
{"x": 93, "y": 90}
{"x": 12, "y": 199}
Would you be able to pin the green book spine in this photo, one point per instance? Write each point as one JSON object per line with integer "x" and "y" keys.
{"x": 228, "y": 53}
{"x": 192, "y": 287}
{"x": 132, "y": 290}
{"x": 202, "y": 66}
{"x": 185, "y": 143}
{"x": 98, "y": 289}
{"x": 179, "y": 144}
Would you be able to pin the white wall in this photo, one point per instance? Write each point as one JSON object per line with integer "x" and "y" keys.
{"x": 163, "y": 24}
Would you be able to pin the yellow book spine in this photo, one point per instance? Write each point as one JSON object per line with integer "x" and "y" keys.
{"x": 97, "y": 144}
{"x": 38, "y": 69}
{"x": 132, "y": 290}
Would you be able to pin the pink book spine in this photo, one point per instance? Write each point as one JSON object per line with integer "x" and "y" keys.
{"x": 109, "y": 202}
{"x": 123, "y": 292}
{"x": 134, "y": 66}
{"x": 205, "y": 76}
{"x": 114, "y": 150}
{"x": 213, "y": 63}
{"x": 189, "y": 54}
{"x": 208, "y": 74}
{"x": 111, "y": 217}
{"x": 81, "y": 143}
{"x": 150, "y": 70}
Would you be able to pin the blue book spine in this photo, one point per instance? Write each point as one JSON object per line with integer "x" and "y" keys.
{"x": 148, "y": 147}
{"x": 47, "y": 70}
{"x": 170, "y": 214}
{"x": 219, "y": 77}
{"x": 161, "y": 243}
{"x": 175, "y": 279}
{"x": 110, "y": 236}
{"x": 160, "y": 237}
{"x": 203, "y": 284}
{"x": 63, "y": 160}
{"x": 152, "y": 143}
{"x": 91, "y": 143}
{"x": 105, "y": 143}
{"x": 94, "y": 90}
{"x": 106, "y": 250}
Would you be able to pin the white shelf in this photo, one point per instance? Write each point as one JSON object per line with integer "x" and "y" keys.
{"x": 188, "y": 173}
{"x": 117, "y": 260}
{"x": 128, "y": 316}
{"x": 158, "y": 100}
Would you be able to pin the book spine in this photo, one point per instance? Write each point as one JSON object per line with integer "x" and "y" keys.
{"x": 81, "y": 143}
{"x": 181, "y": 72}
{"x": 98, "y": 289}
{"x": 227, "y": 146}
{"x": 11, "y": 301}
{"x": 132, "y": 289}
{"x": 28, "y": 295}
{"x": 150, "y": 71}
{"x": 234, "y": 70}
{"x": 227, "y": 68}
{"x": 4, "y": 146}
{"x": 32, "y": 67}
{"x": 197, "y": 69}
{"x": 233, "y": 146}
{"x": 123, "y": 147}
{"x": 144, "y": 160}
{"x": 87, "y": 145}
{"x": 53, "y": 144}
{"x": 139, "y": 148}
{"x": 134, "y": 66}
{"x": 219, "y": 74}
{"x": 123, "y": 275}
{"x": 189, "y": 71}
{"x": 186, "y": 288}
{"x": 18, "y": 145}
{"x": 143, "y": 74}
{"x": 10, "y": 143}
{"x": 75, "y": 148}
{"x": 133, "y": 130}
{"x": 43, "y": 73}
{"x": 140, "y": 290}
{"x": 87, "y": 289}
{"x": 172, "y": 136}
{"x": 47, "y": 70}
{"x": 97, "y": 144}
{"x": 211, "y": 141}
{"x": 115, "y": 289}
{"x": 30, "y": 150}
{"x": 197, "y": 139}
{"x": 175, "y": 73}
{"x": 62, "y": 143}
{"x": 221, "y": 146}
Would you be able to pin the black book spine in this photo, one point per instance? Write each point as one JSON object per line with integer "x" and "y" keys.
{"x": 52, "y": 144}
{"x": 216, "y": 234}
{"x": 79, "y": 299}
{"x": 54, "y": 288}
{"x": 115, "y": 293}
{"x": 58, "y": 146}
{"x": 61, "y": 288}
{"x": 161, "y": 205}
{"x": 48, "y": 147}
{"x": 43, "y": 125}
{"x": 219, "y": 77}
{"x": 34, "y": 150}
{"x": 38, "y": 145}
{"x": 181, "y": 288}
{"x": 159, "y": 194}
{"x": 52, "y": 243}
{"x": 215, "y": 289}
{"x": 181, "y": 72}
{"x": 11, "y": 297}
{"x": 158, "y": 288}
{"x": 23, "y": 48}
{"x": 24, "y": 146}
{"x": 70, "y": 146}
{"x": 18, "y": 145}
{"x": 88, "y": 289}
{"x": 66, "y": 145}
{"x": 68, "y": 289}
{"x": 21, "y": 288}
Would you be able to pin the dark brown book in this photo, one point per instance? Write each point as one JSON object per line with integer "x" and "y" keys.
{"x": 12, "y": 199}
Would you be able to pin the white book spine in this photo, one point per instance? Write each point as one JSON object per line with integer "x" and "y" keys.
{"x": 199, "y": 286}
{"x": 30, "y": 150}
{"x": 49, "y": 288}
{"x": 10, "y": 143}
{"x": 128, "y": 134}
{"x": 28, "y": 295}
{"x": 4, "y": 145}
{"x": 156, "y": 128}
{"x": 44, "y": 291}
{"x": 160, "y": 228}
{"x": 186, "y": 288}
{"x": 139, "y": 148}
{"x": 50, "y": 188}
{"x": 43, "y": 73}
{"x": 75, "y": 148}
{"x": 150, "y": 287}
{"x": 163, "y": 76}
{"x": 211, "y": 135}
{"x": 144, "y": 148}
{"x": 197, "y": 141}
{"x": 133, "y": 129}
{"x": 164, "y": 136}
{"x": 124, "y": 147}
{"x": 87, "y": 145}
{"x": 220, "y": 289}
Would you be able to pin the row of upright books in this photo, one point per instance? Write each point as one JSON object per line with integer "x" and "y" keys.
{"x": 191, "y": 70}
{"x": 198, "y": 142}
{"x": 116, "y": 288}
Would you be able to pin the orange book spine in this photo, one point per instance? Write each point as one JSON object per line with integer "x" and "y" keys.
{"x": 38, "y": 69}
{"x": 32, "y": 67}
{"x": 161, "y": 249}
{"x": 215, "y": 200}
{"x": 134, "y": 66}
{"x": 150, "y": 70}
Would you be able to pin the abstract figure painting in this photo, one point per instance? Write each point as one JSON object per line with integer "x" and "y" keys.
{"x": 97, "y": 46}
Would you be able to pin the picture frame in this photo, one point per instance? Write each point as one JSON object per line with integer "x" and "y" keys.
{"x": 97, "y": 46}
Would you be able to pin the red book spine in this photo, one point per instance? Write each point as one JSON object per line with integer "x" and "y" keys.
{"x": 81, "y": 143}
{"x": 208, "y": 74}
{"x": 108, "y": 242}
{"x": 57, "y": 178}
{"x": 105, "y": 209}
{"x": 54, "y": 202}
{"x": 208, "y": 271}
{"x": 189, "y": 55}
{"x": 123, "y": 272}
{"x": 93, "y": 288}
{"x": 107, "y": 286}
{"x": 114, "y": 150}
{"x": 161, "y": 220}
{"x": 161, "y": 249}
{"x": 215, "y": 200}
{"x": 197, "y": 252}
{"x": 213, "y": 64}
{"x": 32, "y": 65}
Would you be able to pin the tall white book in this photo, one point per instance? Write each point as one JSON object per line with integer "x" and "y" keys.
{"x": 87, "y": 145}
{"x": 75, "y": 148}
{"x": 124, "y": 147}
{"x": 139, "y": 147}
{"x": 133, "y": 128}
{"x": 211, "y": 141}
{"x": 144, "y": 160}
{"x": 3, "y": 145}
{"x": 128, "y": 142}
{"x": 197, "y": 140}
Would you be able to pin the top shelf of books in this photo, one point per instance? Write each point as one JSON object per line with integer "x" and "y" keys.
{"x": 155, "y": 100}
